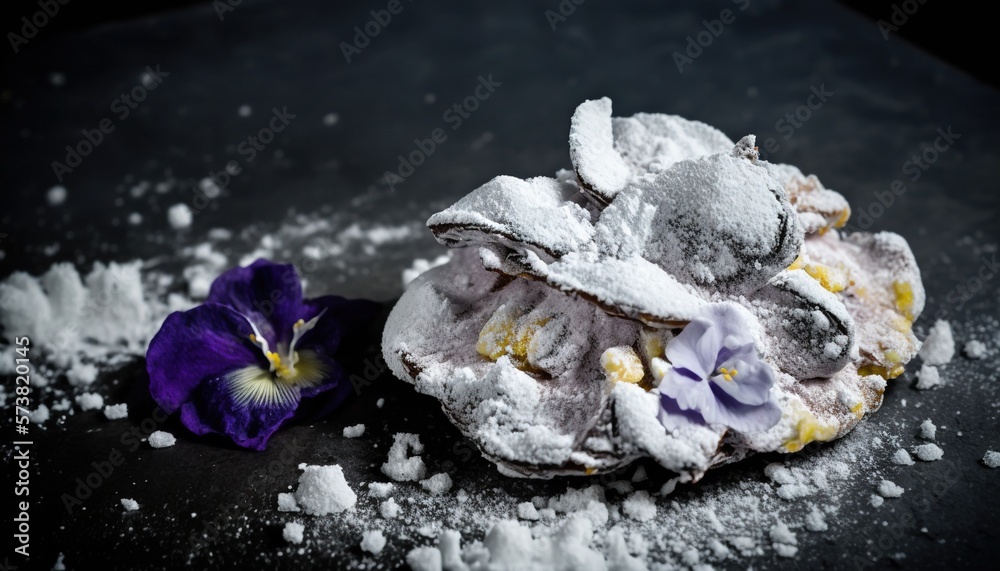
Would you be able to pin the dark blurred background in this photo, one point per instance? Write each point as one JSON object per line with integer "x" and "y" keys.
{"x": 956, "y": 32}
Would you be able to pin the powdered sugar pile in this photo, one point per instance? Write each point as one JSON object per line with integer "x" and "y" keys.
{"x": 939, "y": 347}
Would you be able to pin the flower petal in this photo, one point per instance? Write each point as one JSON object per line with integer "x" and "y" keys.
{"x": 193, "y": 346}
{"x": 743, "y": 417}
{"x": 690, "y": 393}
{"x": 686, "y": 350}
{"x": 220, "y": 405}
{"x": 672, "y": 416}
{"x": 752, "y": 383}
{"x": 269, "y": 294}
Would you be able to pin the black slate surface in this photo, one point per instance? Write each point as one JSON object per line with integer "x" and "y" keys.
{"x": 888, "y": 102}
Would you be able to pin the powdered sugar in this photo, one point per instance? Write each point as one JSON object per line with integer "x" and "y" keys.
{"x": 929, "y": 452}
{"x": 400, "y": 466}
{"x": 939, "y": 347}
{"x": 161, "y": 439}
{"x": 992, "y": 459}
{"x": 928, "y": 377}
{"x": 373, "y": 541}
{"x": 323, "y": 490}
{"x": 293, "y": 532}
{"x": 888, "y": 489}
{"x": 116, "y": 411}
{"x": 354, "y": 431}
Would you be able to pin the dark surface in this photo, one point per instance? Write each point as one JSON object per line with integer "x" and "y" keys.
{"x": 888, "y": 102}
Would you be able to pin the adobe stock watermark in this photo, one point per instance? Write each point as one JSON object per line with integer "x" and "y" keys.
{"x": 121, "y": 107}
{"x": 566, "y": 8}
{"x": 698, "y": 43}
{"x": 900, "y": 15}
{"x": 223, "y": 7}
{"x": 793, "y": 121}
{"x": 964, "y": 292}
{"x": 31, "y": 25}
{"x": 913, "y": 168}
{"x": 249, "y": 148}
{"x": 454, "y": 116}
{"x": 364, "y": 34}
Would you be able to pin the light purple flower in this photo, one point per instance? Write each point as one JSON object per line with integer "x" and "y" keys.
{"x": 716, "y": 376}
{"x": 240, "y": 364}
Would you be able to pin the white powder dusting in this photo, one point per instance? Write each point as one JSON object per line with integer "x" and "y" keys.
{"x": 323, "y": 490}
{"x": 179, "y": 216}
{"x": 992, "y": 459}
{"x": 902, "y": 458}
{"x": 380, "y": 403}
{"x": 293, "y": 532}
{"x": 56, "y": 195}
{"x": 815, "y": 521}
{"x": 640, "y": 506}
{"x": 287, "y": 502}
{"x": 400, "y": 466}
{"x": 783, "y": 540}
{"x": 90, "y": 401}
{"x": 389, "y": 509}
{"x": 130, "y": 505}
{"x": 975, "y": 349}
{"x": 939, "y": 347}
{"x": 437, "y": 484}
{"x": 927, "y": 430}
{"x": 354, "y": 431}
{"x": 928, "y": 452}
{"x": 380, "y": 489}
{"x": 888, "y": 489}
{"x": 161, "y": 439}
{"x": 82, "y": 374}
{"x": 116, "y": 411}
{"x": 928, "y": 377}
{"x": 528, "y": 511}
{"x": 40, "y": 415}
{"x": 876, "y": 500}
{"x": 373, "y": 541}
{"x": 424, "y": 559}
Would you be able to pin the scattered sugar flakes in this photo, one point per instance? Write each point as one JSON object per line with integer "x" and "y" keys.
{"x": 90, "y": 401}
{"x": 783, "y": 540}
{"x": 56, "y": 195}
{"x": 59, "y": 565}
{"x": 287, "y": 502}
{"x": 927, "y": 430}
{"x": 373, "y": 541}
{"x": 877, "y": 500}
{"x": 424, "y": 559}
{"x": 179, "y": 216}
{"x": 116, "y": 411}
{"x": 929, "y": 452}
{"x": 293, "y": 532}
{"x": 992, "y": 459}
{"x": 354, "y": 431}
{"x": 81, "y": 374}
{"x": 888, "y": 489}
{"x": 815, "y": 520}
{"x": 389, "y": 509}
{"x": 380, "y": 403}
{"x": 437, "y": 484}
{"x": 323, "y": 490}
{"x": 939, "y": 347}
{"x": 528, "y": 511}
{"x": 380, "y": 489}
{"x": 902, "y": 458}
{"x": 40, "y": 415}
{"x": 400, "y": 466}
{"x": 928, "y": 377}
{"x": 130, "y": 505}
{"x": 161, "y": 439}
{"x": 975, "y": 349}
{"x": 640, "y": 506}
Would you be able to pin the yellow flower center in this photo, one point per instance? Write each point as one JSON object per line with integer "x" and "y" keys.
{"x": 727, "y": 374}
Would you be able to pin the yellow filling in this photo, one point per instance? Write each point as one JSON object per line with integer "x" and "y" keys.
{"x": 904, "y": 299}
{"x": 884, "y": 372}
{"x": 856, "y": 410}
{"x": 622, "y": 365}
{"x": 505, "y": 335}
{"x": 832, "y": 279}
{"x": 809, "y": 429}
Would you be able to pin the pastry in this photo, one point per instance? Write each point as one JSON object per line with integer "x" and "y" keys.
{"x": 673, "y": 296}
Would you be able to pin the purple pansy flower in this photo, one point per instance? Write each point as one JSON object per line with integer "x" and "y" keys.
{"x": 240, "y": 363}
{"x": 716, "y": 376}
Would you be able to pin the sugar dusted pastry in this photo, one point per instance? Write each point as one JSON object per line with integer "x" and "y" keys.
{"x": 673, "y": 296}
